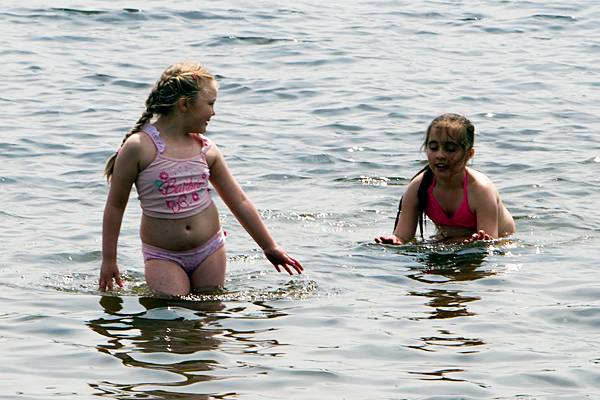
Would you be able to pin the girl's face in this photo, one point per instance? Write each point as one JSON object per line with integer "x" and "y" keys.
{"x": 445, "y": 154}
{"x": 202, "y": 108}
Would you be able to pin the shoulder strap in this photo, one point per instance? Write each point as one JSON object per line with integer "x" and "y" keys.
{"x": 465, "y": 192}
{"x": 205, "y": 142}
{"x": 154, "y": 134}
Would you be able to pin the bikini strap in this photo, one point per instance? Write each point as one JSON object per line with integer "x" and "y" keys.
{"x": 154, "y": 134}
{"x": 205, "y": 142}
{"x": 465, "y": 192}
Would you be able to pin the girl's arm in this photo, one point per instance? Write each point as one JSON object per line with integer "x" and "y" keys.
{"x": 125, "y": 172}
{"x": 485, "y": 203}
{"x": 407, "y": 223}
{"x": 244, "y": 210}
{"x": 111, "y": 225}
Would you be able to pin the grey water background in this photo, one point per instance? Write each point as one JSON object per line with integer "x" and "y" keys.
{"x": 321, "y": 114}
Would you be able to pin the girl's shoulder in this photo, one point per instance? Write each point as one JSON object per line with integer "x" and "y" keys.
{"x": 204, "y": 141}
{"x": 134, "y": 143}
{"x": 478, "y": 179}
{"x": 480, "y": 187}
{"x": 140, "y": 146}
{"x": 209, "y": 148}
{"x": 414, "y": 184}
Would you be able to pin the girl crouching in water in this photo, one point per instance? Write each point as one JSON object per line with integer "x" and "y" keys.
{"x": 171, "y": 162}
{"x": 463, "y": 203}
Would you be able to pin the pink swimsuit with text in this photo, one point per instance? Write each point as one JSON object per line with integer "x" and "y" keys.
{"x": 176, "y": 188}
{"x": 463, "y": 217}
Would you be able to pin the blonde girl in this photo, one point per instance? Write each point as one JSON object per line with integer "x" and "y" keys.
{"x": 171, "y": 163}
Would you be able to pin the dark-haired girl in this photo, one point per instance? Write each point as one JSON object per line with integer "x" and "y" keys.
{"x": 463, "y": 203}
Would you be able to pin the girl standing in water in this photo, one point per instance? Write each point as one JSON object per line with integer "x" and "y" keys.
{"x": 171, "y": 163}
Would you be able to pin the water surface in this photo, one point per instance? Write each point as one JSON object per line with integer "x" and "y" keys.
{"x": 321, "y": 113}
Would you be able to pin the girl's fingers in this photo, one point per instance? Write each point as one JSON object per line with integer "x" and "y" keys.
{"x": 282, "y": 260}
{"x": 296, "y": 264}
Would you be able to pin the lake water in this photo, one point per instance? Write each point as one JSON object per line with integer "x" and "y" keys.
{"x": 321, "y": 114}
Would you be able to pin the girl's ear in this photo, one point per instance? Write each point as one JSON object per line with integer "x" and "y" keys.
{"x": 470, "y": 153}
{"x": 183, "y": 104}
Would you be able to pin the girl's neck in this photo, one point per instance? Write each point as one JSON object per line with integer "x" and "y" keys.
{"x": 454, "y": 181}
{"x": 169, "y": 127}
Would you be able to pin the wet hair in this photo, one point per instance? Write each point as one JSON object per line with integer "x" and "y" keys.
{"x": 458, "y": 128}
{"x": 177, "y": 81}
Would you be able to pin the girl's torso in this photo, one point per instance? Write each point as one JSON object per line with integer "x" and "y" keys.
{"x": 459, "y": 217}
{"x": 451, "y": 208}
{"x": 178, "y": 211}
{"x": 181, "y": 234}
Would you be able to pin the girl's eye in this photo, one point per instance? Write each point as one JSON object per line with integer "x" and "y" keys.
{"x": 450, "y": 148}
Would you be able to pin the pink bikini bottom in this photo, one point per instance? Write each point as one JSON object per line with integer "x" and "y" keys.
{"x": 189, "y": 260}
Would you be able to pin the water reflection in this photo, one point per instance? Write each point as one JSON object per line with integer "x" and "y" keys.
{"x": 445, "y": 375}
{"x": 174, "y": 341}
{"x": 445, "y": 271}
{"x": 439, "y": 264}
{"x": 446, "y": 303}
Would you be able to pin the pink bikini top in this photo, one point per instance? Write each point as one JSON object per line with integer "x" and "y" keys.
{"x": 463, "y": 217}
{"x": 174, "y": 188}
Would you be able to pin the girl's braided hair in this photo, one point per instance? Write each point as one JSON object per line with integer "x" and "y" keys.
{"x": 177, "y": 81}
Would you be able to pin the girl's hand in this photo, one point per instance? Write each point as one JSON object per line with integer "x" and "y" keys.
{"x": 392, "y": 239}
{"x": 280, "y": 259}
{"x": 480, "y": 235}
{"x": 108, "y": 272}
